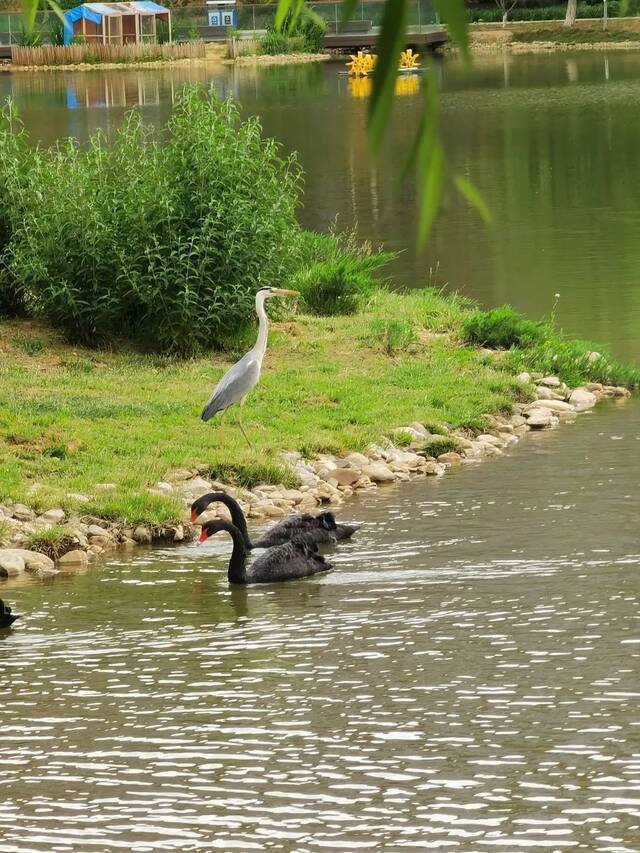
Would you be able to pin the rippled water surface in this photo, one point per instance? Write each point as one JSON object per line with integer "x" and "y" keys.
{"x": 466, "y": 679}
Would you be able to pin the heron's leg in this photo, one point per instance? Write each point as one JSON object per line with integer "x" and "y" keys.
{"x": 246, "y": 438}
{"x": 223, "y": 416}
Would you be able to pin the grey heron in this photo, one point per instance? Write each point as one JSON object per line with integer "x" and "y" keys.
{"x": 243, "y": 377}
{"x": 282, "y": 563}
{"x": 317, "y": 529}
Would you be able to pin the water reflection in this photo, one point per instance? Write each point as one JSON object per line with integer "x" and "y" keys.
{"x": 466, "y": 679}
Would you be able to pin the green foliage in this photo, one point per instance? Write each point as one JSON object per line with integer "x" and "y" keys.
{"x": 437, "y": 446}
{"x": 554, "y": 12}
{"x": 29, "y": 345}
{"x": 193, "y": 33}
{"x": 572, "y": 361}
{"x": 29, "y": 37}
{"x": 336, "y": 272}
{"x": 137, "y": 509}
{"x": 250, "y": 474}
{"x": 274, "y": 44}
{"x": 162, "y": 32}
{"x": 5, "y": 531}
{"x": 56, "y": 31}
{"x": 393, "y": 336}
{"x": 164, "y": 244}
{"x": 302, "y": 31}
{"x": 313, "y": 30}
{"x": 18, "y": 167}
{"x": 502, "y": 328}
{"x": 537, "y": 346}
{"x": 52, "y": 541}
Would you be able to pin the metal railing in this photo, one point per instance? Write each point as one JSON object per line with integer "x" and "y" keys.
{"x": 190, "y": 22}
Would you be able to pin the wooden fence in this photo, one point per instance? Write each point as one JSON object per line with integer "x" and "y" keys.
{"x": 94, "y": 54}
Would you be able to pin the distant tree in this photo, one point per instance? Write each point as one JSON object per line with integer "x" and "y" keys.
{"x": 505, "y": 7}
{"x": 570, "y": 17}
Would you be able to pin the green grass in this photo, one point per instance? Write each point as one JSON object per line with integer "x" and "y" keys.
{"x": 5, "y": 531}
{"x": 53, "y": 541}
{"x": 71, "y": 418}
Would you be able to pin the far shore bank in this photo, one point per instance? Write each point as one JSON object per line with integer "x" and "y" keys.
{"x": 550, "y": 36}
{"x": 344, "y": 405}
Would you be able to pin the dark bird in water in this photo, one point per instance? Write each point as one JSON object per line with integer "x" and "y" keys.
{"x": 7, "y": 618}
{"x": 314, "y": 529}
{"x": 282, "y": 563}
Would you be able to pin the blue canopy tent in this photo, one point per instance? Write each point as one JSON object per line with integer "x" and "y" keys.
{"x": 115, "y": 23}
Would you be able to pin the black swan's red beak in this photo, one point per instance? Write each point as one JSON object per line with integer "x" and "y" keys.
{"x": 203, "y": 536}
{"x": 194, "y": 515}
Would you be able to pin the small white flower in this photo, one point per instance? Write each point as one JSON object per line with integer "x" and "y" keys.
{"x": 557, "y": 295}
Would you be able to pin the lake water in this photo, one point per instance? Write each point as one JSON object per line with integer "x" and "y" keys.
{"x": 468, "y": 677}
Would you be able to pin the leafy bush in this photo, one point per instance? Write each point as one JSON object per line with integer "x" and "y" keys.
{"x": 313, "y": 30}
{"x": 334, "y": 287}
{"x": 554, "y": 12}
{"x": 163, "y": 244}
{"x": 162, "y": 32}
{"x": 336, "y": 271}
{"x": 274, "y": 44}
{"x": 502, "y": 328}
{"x": 572, "y": 361}
{"x": 31, "y": 38}
{"x": 18, "y": 166}
{"x": 56, "y": 31}
{"x": 305, "y": 36}
{"x": 393, "y": 335}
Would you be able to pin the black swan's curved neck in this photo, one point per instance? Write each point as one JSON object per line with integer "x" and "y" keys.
{"x": 237, "y": 516}
{"x": 238, "y": 562}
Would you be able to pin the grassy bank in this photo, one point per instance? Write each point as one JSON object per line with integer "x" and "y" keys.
{"x": 71, "y": 418}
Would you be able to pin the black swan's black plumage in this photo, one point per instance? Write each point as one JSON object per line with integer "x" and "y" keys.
{"x": 283, "y": 563}
{"x": 313, "y": 529}
{"x": 7, "y": 618}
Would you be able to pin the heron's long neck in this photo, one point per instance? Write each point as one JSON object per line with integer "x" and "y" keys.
{"x": 263, "y": 327}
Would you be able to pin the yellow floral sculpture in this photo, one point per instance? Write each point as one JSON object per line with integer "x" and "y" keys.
{"x": 409, "y": 59}
{"x": 361, "y": 64}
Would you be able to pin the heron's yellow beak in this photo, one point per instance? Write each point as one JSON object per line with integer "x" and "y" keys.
{"x": 278, "y": 292}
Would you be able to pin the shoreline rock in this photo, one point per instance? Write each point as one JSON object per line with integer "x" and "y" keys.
{"x": 327, "y": 481}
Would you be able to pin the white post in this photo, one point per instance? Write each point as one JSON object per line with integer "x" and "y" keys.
{"x": 605, "y": 15}
{"x": 170, "y": 35}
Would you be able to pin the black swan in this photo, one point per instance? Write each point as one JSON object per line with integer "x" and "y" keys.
{"x": 7, "y": 618}
{"x": 314, "y": 529}
{"x": 282, "y": 563}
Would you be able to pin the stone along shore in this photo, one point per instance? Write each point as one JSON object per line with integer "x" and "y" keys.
{"x": 325, "y": 482}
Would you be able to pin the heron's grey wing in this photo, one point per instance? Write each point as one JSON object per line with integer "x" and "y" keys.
{"x": 233, "y": 386}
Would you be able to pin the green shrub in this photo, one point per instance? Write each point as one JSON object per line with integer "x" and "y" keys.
{"x": 553, "y": 12}
{"x": 56, "y": 31}
{"x": 19, "y": 165}
{"x": 334, "y": 287}
{"x": 572, "y": 361}
{"x": 165, "y": 244}
{"x": 31, "y": 38}
{"x": 336, "y": 271}
{"x": 162, "y": 32}
{"x": 438, "y": 446}
{"x": 393, "y": 335}
{"x": 502, "y": 328}
{"x": 313, "y": 30}
{"x": 29, "y": 345}
{"x": 274, "y": 44}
